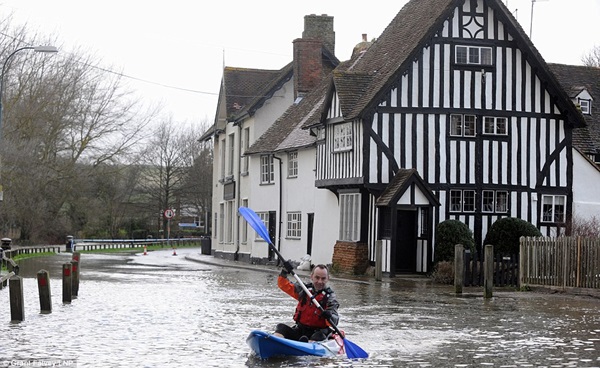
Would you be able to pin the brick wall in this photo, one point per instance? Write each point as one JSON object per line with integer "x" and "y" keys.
{"x": 350, "y": 257}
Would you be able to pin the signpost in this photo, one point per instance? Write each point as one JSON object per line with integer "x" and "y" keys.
{"x": 169, "y": 213}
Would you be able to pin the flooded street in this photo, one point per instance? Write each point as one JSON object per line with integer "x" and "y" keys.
{"x": 162, "y": 310}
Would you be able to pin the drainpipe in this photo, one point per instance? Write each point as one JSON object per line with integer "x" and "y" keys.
{"x": 280, "y": 204}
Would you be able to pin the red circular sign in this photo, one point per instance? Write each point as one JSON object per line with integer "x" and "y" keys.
{"x": 169, "y": 214}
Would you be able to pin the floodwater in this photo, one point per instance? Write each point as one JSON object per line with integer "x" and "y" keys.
{"x": 161, "y": 310}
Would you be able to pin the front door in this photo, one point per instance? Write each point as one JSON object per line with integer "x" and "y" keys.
{"x": 406, "y": 241}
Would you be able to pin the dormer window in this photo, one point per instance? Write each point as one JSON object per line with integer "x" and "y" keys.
{"x": 585, "y": 106}
{"x": 583, "y": 99}
{"x": 473, "y": 55}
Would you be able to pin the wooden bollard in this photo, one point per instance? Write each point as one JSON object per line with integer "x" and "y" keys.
{"x": 378, "y": 260}
{"x": 17, "y": 309}
{"x": 43, "y": 280}
{"x": 459, "y": 266}
{"x": 488, "y": 271}
{"x": 75, "y": 278}
{"x": 67, "y": 287}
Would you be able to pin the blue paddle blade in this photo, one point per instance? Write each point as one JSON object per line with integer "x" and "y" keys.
{"x": 354, "y": 351}
{"x": 256, "y": 223}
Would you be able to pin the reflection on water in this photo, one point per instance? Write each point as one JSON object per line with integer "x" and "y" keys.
{"x": 165, "y": 311}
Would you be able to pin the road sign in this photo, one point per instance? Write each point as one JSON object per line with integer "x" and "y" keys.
{"x": 169, "y": 214}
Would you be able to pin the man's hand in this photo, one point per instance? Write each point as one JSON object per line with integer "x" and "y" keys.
{"x": 287, "y": 266}
{"x": 326, "y": 314}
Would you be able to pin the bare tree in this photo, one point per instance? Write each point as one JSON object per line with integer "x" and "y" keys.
{"x": 64, "y": 116}
{"x": 592, "y": 58}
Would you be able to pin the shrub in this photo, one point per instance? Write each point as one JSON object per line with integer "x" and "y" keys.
{"x": 504, "y": 235}
{"x": 443, "y": 273}
{"x": 449, "y": 233}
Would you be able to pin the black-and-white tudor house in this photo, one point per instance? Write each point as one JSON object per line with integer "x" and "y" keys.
{"x": 451, "y": 113}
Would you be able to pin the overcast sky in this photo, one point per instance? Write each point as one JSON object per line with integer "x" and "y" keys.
{"x": 183, "y": 43}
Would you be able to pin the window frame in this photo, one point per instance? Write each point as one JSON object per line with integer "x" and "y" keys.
{"x": 342, "y": 137}
{"x": 245, "y": 146}
{"x": 350, "y": 205}
{"x": 473, "y": 55}
{"x": 231, "y": 150}
{"x": 462, "y": 201}
{"x": 549, "y": 210}
{"x": 585, "y": 106}
{"x": 267, "y": 170}
{"x": 461, "y": 127}
{"x": 494, "y": 201}
{"x": 294, "y": 225}
{"x": 495, "y": 123}
{"x": 264, "y": 217}
{"x": 293, "y": 164}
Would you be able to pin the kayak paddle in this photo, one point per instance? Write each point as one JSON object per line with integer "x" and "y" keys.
{"x": 353, "y": 351}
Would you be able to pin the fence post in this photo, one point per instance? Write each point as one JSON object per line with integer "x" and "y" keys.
{"x": 74, "y": 279}
{"x": 378, "y": 260}
{"x": 75, "y": 261}
{"x": 67, "y": 283}
{"x": 459, "y": 267}
{"x": 488, "y": 271}
{"x": 522, "y": 260}
{"x": 17, "y": 311}
{"x": 43, "y": 279}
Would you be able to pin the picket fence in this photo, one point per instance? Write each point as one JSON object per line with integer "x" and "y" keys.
{"x": 560, "y": 262}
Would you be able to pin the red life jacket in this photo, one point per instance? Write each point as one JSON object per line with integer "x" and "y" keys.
{"x": 308, "y": 314}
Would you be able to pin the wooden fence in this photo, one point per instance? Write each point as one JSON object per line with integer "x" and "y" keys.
{"x": 505, "y": 270}
{"x": 561, "y": 262}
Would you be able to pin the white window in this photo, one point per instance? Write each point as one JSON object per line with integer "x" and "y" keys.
{"x": 231, "y": 143}
{"x": 462, "y": 125}
{"x": 221, "y": 221}
{"x": 222, "y": 158}
{"x": 264, "y": 217}
{"x": 216, "y": 228}
{"x": 496, "y": 126}
{"x": 293, "y": 164}
{"x": 350, "y": 216}
{"x": 553, "y": 208}
{"x": 229, "y": 218}
{"x": 267, "y": 173}
{"x": 342, "y": 137}
{"x": 462, "y": 201}
{"x": 246, "y": 144}
{"x": 494, "y": 201}
{"x": 586, "y": 107}
{"x": 474, "y": 55}
{"x": 294, "y": 225}
{"x": 244, "y": 235}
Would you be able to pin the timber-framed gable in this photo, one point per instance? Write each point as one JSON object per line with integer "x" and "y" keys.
{"x": 461, "y": 96}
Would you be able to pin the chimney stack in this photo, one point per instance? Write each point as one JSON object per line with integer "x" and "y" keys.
{"x": 308, "y": 62}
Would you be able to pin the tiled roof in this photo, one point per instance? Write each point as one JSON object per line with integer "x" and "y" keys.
{"x": 287, "y": 133}
{"x": 399, "y": 184}
{"x": 247, "y": 89}
{"x": 402, "y": 41}
{"x": 413, "y": 24}
{"x": 574, "y": 78}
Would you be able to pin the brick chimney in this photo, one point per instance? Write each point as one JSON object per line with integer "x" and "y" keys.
{"x": 309, "y": 65}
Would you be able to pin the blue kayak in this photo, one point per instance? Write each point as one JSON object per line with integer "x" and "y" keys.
{"x": 266, "y": 345}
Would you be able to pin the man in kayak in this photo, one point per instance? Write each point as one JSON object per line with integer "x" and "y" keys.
{"x": 311, "y": 322}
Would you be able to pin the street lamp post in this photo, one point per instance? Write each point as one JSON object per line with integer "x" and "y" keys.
{"x": 34, "y": 48}
{"x": 51, "y": 49}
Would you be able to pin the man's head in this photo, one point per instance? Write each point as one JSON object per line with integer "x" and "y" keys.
{"x": 319, "y": 276}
